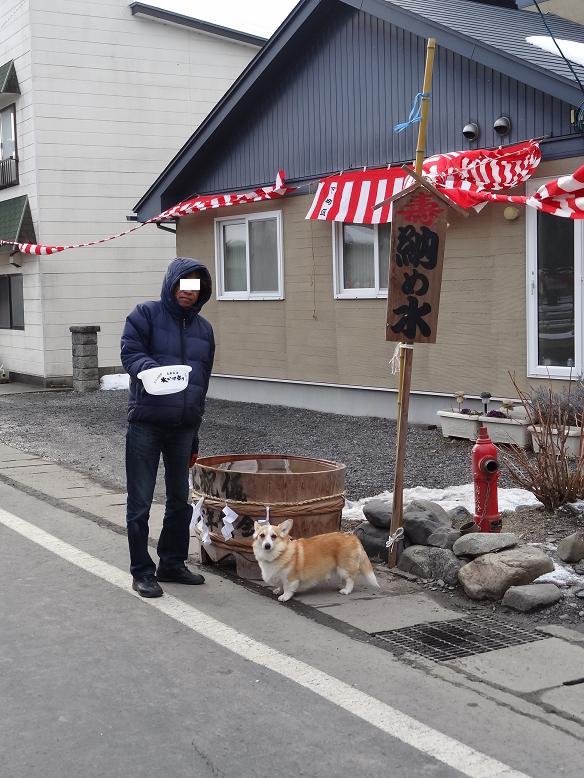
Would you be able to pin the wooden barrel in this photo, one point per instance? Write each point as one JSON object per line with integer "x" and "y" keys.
{"x": 310, "y": 491}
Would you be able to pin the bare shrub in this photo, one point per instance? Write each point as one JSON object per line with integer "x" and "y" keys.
{"x": 550, "y": 474}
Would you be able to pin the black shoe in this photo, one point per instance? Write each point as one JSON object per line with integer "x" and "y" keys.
{"x": 179, "y": 574}
{"x": 147, "y": 586}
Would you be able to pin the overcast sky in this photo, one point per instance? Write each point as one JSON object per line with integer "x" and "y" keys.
{"x": 260, "y": 17}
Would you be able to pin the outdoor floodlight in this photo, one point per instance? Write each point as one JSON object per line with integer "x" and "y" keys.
{"x": 502, "y": 125}
{"x": 471, "y": 131}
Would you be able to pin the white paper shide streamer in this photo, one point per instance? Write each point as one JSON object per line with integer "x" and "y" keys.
{"x": 229, "y": 519}
{"x": 199, "y": 524}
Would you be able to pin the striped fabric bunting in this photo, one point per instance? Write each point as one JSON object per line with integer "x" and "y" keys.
{"x": 464, "y": 176}
{"x": 195, "y": 205}
{"x": 562, "y": 197}
{"x": 350, "y": 197}
{"x": 461, "y": 175}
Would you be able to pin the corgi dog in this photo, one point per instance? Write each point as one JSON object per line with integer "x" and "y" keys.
{"x": 293, "y": 565}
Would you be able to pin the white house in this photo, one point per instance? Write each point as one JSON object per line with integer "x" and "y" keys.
{"x": 95, "y": 98}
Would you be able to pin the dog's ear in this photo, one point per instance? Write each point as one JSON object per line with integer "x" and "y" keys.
{"x": 256, "y": 530}
{"x": 286, "y": 526}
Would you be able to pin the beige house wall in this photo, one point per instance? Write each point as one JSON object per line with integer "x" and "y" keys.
{"x": 310, "y": 336}
{"x": 569, "y": 9}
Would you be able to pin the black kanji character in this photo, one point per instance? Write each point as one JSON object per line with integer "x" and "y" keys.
{"x": 412, "y": 318}
{"x": 411, "y": 280}
{"x": 416, "y": 248}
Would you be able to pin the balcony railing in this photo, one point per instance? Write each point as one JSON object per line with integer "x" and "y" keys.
{"x": 8, "y": 172}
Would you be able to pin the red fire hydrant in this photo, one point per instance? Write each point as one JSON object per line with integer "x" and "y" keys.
{"x": 485, "y": 473}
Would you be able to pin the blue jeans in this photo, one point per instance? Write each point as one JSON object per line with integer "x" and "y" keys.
{"x": 145, "y": 442}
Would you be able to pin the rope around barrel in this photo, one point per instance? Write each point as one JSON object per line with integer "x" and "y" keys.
{"x": 277, "y": 509}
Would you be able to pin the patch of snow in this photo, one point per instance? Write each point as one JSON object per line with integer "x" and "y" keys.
{"x": 560, "y": 576}
{"x": 451, "y": 497}
{"x": 577, "y": 506}
{"x": 115, "y": 381}
{"x": 572, "y": 50}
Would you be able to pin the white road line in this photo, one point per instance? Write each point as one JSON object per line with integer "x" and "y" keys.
{"x": 380, "y": 715}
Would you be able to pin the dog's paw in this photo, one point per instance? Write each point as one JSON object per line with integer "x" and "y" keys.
{"x": 346, "y": 589}
{"x": 277, "y": 590}
{"x": 285, "y": 597}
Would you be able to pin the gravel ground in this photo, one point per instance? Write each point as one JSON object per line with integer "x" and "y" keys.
{"x": 86, "y": 432}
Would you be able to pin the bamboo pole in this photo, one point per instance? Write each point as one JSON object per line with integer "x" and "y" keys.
{"x": 406, "y": 356}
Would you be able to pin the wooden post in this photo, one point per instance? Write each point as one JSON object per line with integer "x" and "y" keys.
{"x": 407, "y": 354}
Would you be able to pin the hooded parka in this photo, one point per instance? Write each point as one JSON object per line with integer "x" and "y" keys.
{"x": 163, "y": 333}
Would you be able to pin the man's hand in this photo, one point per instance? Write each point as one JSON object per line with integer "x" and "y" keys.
{"x": 194, "y": 458}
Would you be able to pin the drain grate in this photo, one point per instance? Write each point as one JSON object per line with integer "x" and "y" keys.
{"x": 444, "y": 640}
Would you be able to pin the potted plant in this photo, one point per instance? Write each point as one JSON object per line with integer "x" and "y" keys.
{"x": 460, "y": 423}
{"x": 507, "y": 425}
{"x": 556, "y": 418}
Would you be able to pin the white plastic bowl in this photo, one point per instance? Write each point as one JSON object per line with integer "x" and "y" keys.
{"x": 167, "y": 379}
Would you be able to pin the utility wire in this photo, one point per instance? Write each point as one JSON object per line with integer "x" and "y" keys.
{"x": 552, "y": 36}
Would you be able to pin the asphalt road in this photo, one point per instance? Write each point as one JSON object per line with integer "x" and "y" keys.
{"x": 216, "y": 680}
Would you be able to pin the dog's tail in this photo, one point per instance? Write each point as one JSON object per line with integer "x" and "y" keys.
{"x": 366, "y": 570}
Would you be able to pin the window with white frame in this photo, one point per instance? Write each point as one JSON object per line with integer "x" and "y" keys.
{"x": 361, "y": 257}
{"x": 555, "y": 316}
{"x": 249, "y": 257}
{"x": 7, "y": 133}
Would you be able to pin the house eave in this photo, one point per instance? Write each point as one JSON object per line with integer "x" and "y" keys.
{"x": 521, "y": 70}
{"x": 197, "y": 25}
{"x": 246, "y": 80}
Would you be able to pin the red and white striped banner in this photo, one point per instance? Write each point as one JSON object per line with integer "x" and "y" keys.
{"x": 461, "y": 175}
{"x": 562, "y": 197}
{"x": 195, "y": 205}
{"x": 464, "y": 176}
{"x": 350, "y": 197}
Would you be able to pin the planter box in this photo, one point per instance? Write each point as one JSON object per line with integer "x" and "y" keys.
{"x": 572, "y": 447}
{"x": 459, "y": 425}
{"x": 513, "y": 431}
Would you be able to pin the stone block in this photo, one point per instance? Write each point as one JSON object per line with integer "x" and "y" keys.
{"x": 531, "y": 597}
{"x": 85, "y": 350}
{"x": 489, "y": 576}
{"x": 81, "y": 339}
{"x": 479, "y": 543}
{"x": 85, "y": 386}
{"x": 378, "y": 513}
{"x": 84, "y": 329}
{"x": 84, "y": 362}
{"x": 571, "y": 549}
{"x": 85, "y": 374}
{"x": 421, "y": 518}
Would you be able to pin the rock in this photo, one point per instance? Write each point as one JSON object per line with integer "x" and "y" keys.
{"x": 422, "y": 518}
{"x": 443, "y": 537}
{"x": 373, "y": 540}
{"x": 489, "y": 576}
{"x": 571, "y": 549}
{"x": 530, "y": 597}
{"x": 378, "y": 513}
{"x": 579, "y": 594}
{"x": 459, "y": 515}
{"x": 579, "y": 569}
{"x": 430, "y": 563}
{"x": 478, "y": 543}
{"x": 565, "y": 616}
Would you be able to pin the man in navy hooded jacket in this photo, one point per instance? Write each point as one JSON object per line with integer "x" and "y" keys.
{"x": 170, "y": 331}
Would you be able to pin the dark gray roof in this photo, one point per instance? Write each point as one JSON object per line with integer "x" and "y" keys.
{"x": 490, "y": 36}
{"x": 170, "y": 17}
{"x": 501, "y": 29}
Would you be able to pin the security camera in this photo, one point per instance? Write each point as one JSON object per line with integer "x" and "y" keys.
{"x": 502, "y": 125}
{"x": 471, "y": 131}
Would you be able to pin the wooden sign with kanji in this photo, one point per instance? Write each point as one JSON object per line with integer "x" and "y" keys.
{"x": 418, "y": 233}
